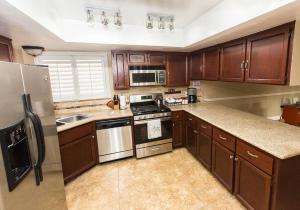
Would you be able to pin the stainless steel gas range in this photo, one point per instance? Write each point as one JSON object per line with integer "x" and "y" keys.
{"x": 152, "y": 125}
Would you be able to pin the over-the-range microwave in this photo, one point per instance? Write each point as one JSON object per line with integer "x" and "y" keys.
{"x": 147, "y": 75}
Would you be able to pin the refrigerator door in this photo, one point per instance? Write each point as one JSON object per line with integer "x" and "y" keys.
{"x": 50, "y": 192}
{"x": 12, "y": 112}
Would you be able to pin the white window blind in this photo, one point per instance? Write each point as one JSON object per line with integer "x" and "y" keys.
{"x": 77, "y": 77}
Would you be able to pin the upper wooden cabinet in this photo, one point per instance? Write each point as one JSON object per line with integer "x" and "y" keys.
{"x": 6, "y": 50}
{"x": 120, "y": 70}
{"x": 177, "y": 70}
{"x": 232, "y": 61}
{"x": 267, "y": 56}
{"x": 146, "y": 58}
{"x": 195, "y": 66}
{"x": 264, "y": 57}
{"x": 211, "y": 63}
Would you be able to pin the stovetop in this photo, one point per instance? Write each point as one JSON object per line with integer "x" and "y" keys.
{"x": 150, "y": 108}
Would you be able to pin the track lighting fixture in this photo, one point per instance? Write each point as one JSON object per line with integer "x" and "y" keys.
{"x": 160, "y": 20}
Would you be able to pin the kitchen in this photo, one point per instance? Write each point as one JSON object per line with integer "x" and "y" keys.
{"x": 155, "y": 105}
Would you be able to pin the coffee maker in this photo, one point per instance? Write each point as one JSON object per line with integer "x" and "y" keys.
{"x": 192, "y": 95}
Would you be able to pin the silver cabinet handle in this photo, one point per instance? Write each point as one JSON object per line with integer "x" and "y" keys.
{"x": 236, "y": 159}
{"x": 173, "y": 124}
{"x": 243, "y": 65}
{"x": 93, "y": 137}
{"x": 252, "y": 155}
{"x": 202, "y": 126}
{"x": 231, "y": 156}
{"x": 246, "y": 65}
{"x": 195, "y": 131}
{"x": 157, "y": 148}
{"x": 221, "y": 137}
{"x": 190, "y": 119}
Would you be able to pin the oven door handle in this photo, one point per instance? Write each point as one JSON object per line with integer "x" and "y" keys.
{"x": 145, "y": 121}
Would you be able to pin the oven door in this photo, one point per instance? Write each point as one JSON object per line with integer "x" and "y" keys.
{"x": 142, "y": 77}
{"x": 141, "y": 132}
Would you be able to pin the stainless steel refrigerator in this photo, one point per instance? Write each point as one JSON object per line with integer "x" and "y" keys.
{"x": 30, "y": 165}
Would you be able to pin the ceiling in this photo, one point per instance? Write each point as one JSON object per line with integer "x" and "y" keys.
{"x": 60, "y": 25}
{"x": 185, "y": 11}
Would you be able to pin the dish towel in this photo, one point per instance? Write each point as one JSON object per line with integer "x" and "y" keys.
{"x": 154, "y": 129}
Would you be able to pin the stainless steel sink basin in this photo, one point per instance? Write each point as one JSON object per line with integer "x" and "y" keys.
{"x": 70, "y": 119}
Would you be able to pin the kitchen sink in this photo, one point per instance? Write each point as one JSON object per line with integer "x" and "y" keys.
{"x": 65, "y": 120}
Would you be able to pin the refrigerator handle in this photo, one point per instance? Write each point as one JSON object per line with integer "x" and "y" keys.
{"x": 35, "y": 123}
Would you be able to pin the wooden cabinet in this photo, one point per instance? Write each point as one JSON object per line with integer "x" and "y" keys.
{"x": 78, "y": 149}
{"x": 223, "y": 165}
{"x": 137, "y": 58}
{"x": 177, "y": 69}
{"x": 267, "y": 56}
{"x": 6, "y": 50}
{"x": 178, "y": 129}
{"x": 263, "y": 57}
{"x": 146, "y": 58}
{"x": 191, "y": 134}
{"x": 156, "y": 58}
{"x": 211, "y": 63}
{"x": 195, "y": 66}
{"x": 252, "y": 186}
{"x": 232, "y": 61}
{"x": 204, "y": 143}
{"x": 203, "y": 152}
{"x": 120, "y": 70}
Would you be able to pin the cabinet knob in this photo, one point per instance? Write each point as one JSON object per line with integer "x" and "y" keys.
{"x": 93, "y": 137}
{"x": 236, "y": 159}
{"x": 231, "y": 156}
{"x": 195, "y": 131}
{"x": 173, "y": 124}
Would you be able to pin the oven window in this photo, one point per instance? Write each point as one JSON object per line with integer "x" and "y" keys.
{"x": 141, "y": 133}
{"x": 143, "y": 77}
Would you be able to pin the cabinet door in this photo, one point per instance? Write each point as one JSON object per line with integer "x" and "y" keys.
{"x": 191, "y": 134}
{"x": 267, "y": 56}
{"x": 78, "y": 156}
{"x": 195, "y": 66}
{"x": 222, "y": 165}
{"x": 232, "y": 61}
{"x": 156, "y": 58}
{"x": 177, "y": 70}
{"x": 177, "y": 133}
{"x": 203, "y": 151}
{"x": 6, "y": 53}
{"x": 252, "y": 186}
{"x": 120, "y": 71}
{"x": 137, "y": 58}
{"x": 211, "y": 63}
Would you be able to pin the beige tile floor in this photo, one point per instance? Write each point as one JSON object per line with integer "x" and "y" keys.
{"x": 170, "y": 181}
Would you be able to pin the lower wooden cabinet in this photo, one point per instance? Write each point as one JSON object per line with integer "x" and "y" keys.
{"x": 178, "y": 128}
{"x": 252, "y": 185}
{"x": 223, "y": 165}
{"x": 191, "y": 134}
{"x": 203, "y": 151}
{"x": 78, "y": 152}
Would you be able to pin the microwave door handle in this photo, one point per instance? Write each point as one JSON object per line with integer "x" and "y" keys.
{"x": 33, "y": 119}
{"x": 156, "y": 78}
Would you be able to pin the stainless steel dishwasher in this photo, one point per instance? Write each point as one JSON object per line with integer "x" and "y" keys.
{"x": 114, "y": 139}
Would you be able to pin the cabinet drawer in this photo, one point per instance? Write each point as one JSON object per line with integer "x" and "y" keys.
{"x": 76, "y": 133}
{"x": 205, "y": 128}
{"x": 191, "y": 121}
{"x": 256, "y": 157}
{"x": 224, "y": 138}
{"x": 177, "y": 115}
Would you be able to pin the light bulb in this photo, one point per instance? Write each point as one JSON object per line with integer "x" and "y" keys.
{"x": 161, "y": 24}
{"x": 149, "y": 22}
{"x": 90, "y": 18}
{"x": 118, "y": 20}
{"x": 104, "y": 19}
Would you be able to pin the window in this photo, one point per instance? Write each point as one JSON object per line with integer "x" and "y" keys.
{"x": 77, "y": 76}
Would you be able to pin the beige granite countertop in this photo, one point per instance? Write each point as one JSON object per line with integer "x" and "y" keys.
{"x": 98, "y": 115}
{"x": 276, "y": 138}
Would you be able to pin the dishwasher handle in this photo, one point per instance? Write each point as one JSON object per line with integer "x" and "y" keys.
{"x": 106, "y": 124}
